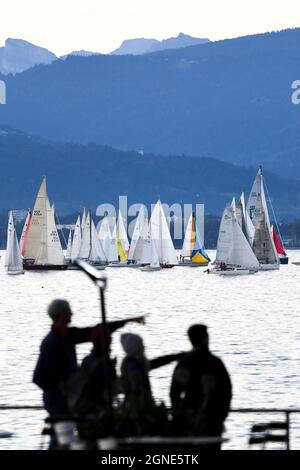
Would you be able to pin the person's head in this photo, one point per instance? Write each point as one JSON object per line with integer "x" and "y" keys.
{"x": 97, "y": 339}
{"x": 60, "y": 312}
{"x": 198, "y": 336}
{"x": 132, "y": 344}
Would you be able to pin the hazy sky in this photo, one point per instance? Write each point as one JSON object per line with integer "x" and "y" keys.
{"x": 101, "y": 25}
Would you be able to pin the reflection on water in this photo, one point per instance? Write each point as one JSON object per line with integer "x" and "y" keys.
{"x": 253, "y": 323}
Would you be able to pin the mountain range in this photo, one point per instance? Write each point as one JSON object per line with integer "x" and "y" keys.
{"x": 146, "y": 46}
{"x": 228, "y": 100}
{"x": 18, "y": 55}
{"x": 88, "y": 175}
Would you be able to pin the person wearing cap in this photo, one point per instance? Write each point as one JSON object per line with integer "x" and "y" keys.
{"x": 57, "y": 359}
{"x": 135, "y": 367}
{"x": 201, "y": 387}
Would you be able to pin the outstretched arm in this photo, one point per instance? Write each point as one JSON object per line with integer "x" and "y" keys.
{"x": 164, "y": 360}
{"x": 115, "y": 325}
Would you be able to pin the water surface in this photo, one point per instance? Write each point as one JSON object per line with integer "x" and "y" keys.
{"x": 253, "y": 324}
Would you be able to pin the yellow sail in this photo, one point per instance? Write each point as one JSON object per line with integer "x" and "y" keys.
{"x": 198, "y": 258}
{"x": 197, "y": 251}
{"x": 122, "y": 254}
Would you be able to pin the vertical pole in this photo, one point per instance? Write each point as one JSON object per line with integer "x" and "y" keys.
{"x": 105, "y": 337}
{"x": 288, "y": 430}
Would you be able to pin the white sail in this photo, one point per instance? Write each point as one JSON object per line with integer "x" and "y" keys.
{"x": 263, "y": 244}
{"x": 13, "y": 259}
{"x": 139, "y": 224}
{"x": 104, "y": 235}
{"x": 76, "y": 241}
{"x": 85, "y": 246}
{"x": 257, "y": 201}
{"x": 187, "y": 242}
{"x": 154, "y": 259}
{"x": 23, "y": 235}
{"x": 69, "y": 246}
{"x": 113, "y": 249}
{"x": 225, "y": 237}
{"x": 250, "y": 229}
{"x": 37, "y": 223}
{"x": 161, "y": 235}
{"x": 96, "y": 253}
{"x": 122, "y": 233}
{"x": 143, "y": 251}
{"x": 83, "y": 220}
{"x": 241, "y": 252}
{"x": 50, "y": 251}
{"x": 233, "y": 247}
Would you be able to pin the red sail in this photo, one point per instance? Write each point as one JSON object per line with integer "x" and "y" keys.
{"x": 277, "y": 244}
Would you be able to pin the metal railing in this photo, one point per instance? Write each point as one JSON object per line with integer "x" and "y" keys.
{"x": 287, "y": 412}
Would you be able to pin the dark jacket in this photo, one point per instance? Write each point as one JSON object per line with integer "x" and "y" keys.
{"x": 95, "y": 368}
{"x": 135, "y": 374}
{"x": 57, "y": 359}
{"x": 202, "y": 385}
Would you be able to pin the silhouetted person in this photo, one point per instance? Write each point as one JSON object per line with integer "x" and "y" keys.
{"x": 201, "y": 387}
{"x": 135, "y": 368}
{"x": 57, "y": 359}
{"x": 88, "y": 389}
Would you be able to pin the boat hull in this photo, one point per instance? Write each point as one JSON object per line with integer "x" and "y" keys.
{"x": 14, "y": 273}
{"x": 122, "y": 265}
{"x": 74, "y": 267}
{"x": 284, "y": 260}
{"x": 149, "y": 268}
{"x": 232, "y": 272}
{"x": 269, "y": 267}
{"x": 191, "y": 264}
{"x": 46, "y": 267}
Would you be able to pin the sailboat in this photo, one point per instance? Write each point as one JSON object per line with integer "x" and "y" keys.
{"x": 150, "y": 254}
{"x": 139, "y": 238}
{"x": 283, "y": 257}
{"x": 122, "y": 237}
{"x": 160, "y": 233}
{"x": 69, "y": 246}
{"x": 193, "y": 253}
{"x": 234, "y": 253}
{"x": 24, "y": 234}
{"x": 76, "y": 242}
{"x": 105, "y": 237}
{"x": 43, "y": 249}
{"x": 13, "y": 260}
{"x": 91, "y": 249}
{"x": 244, "y": 219}
{"x": 263, "y": 244}
{"x": 119, "y": 244}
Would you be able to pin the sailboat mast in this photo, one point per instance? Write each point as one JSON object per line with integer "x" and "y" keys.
{"x": 90, "y": 233}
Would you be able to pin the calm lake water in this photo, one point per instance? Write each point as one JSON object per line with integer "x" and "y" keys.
{"x": 253, "y": 323}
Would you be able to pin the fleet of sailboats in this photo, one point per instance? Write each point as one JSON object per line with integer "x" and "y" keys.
{"x": 246, "y": 243}
{"x": 234, "y": 252}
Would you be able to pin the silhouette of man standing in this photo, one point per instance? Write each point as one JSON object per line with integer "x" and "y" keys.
{"x": 201, "y": 387}
{"x": 57, "y": 359}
